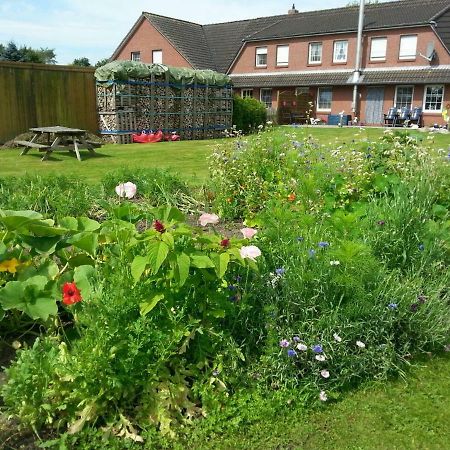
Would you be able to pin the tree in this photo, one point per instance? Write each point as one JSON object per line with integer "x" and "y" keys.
{"x": 82, "y": 62}
{"x": 102, "y": 62}
{"x": 11, "y": 52}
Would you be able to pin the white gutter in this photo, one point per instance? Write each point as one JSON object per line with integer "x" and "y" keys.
{"x": 358, "y": 62}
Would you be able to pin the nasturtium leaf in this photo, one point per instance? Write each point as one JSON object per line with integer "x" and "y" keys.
{"x": 146, "y": 307}
{"x": 157, "y": 253}
{"x": 86, "y": 241}
{"x": 48, "y": 269}
{"x": 83, "y": 277}
{"x": 45, "y": 228}
{"x": 86, "y": 224}
{"x": 15, "y": 220}
{"x": 138, "y": 267}
{"x": 42, "y": 244}
{"x": 81, "y": 260}
{"x": 70, "y": 223}
{"x": 201, "y": 262}
{"x": 182, "y": 271}
{"x": 221, "y": 261}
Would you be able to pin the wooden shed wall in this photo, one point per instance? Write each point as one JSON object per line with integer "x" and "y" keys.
{"x": 37, "y": 95}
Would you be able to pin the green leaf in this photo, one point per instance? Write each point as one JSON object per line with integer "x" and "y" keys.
{"x": 201, "y": 262}
{"x": 168, "y": 239}
{"x": 14, "y": 220}
{"x": 81, "y": 260}
{"x": 70, "y": 223}
{"x": 84, "y": 277}
{"x": 42, "y": 244}
{"x": 146, "y": 307}
{"x": 48, "y": 269}
{"x": 221, "y": 263}
{"x": 157, "y": 253}
{"x": 86, "y": 241}
{"x": 183, "y": 264}
{"x": 86, "y": 224}
{"x": 138, "y": 267}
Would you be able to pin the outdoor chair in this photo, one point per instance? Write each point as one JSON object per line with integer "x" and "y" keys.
{"x": 390, "y": 118}
{"x": 403, "y": 117}
{"x": 416, "y": 116}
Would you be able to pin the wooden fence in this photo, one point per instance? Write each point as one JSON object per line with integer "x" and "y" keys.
{"x": 37, "y": 95}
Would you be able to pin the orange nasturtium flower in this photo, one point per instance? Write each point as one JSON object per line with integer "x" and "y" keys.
{"x": 71, "y": 294}
{"x": 10, "y": 265}
{"x": 291, "y": 197}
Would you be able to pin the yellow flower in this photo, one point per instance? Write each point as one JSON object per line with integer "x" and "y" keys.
{"x": 10, "y": 265}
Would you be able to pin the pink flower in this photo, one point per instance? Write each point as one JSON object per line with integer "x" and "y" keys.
{"x": 248, "y": 233}
{"x": 250, "y": 252}
{"x": 206, "y": 218}
{"x": 323, "y": 396}
{"x": 127, "y": 190}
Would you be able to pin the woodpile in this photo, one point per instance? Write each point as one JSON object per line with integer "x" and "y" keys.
{"x": 194, "y": 111}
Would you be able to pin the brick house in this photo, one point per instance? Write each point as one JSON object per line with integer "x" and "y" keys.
{"x": 312, "y": 56}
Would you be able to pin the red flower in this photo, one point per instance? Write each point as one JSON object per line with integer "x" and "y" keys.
{"x": 71, "y": 294}
{"x": 159, "y": 226}
{"x": 225, "y": 243}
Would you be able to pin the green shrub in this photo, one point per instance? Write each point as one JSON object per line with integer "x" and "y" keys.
{"x": 248, "y": 114}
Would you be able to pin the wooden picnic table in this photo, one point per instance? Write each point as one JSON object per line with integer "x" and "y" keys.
{"x": 57, "y": 137}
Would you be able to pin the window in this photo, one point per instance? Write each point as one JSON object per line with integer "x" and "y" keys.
{"x": 282, "y": 55}
{"x": 247, "y": 93}
{"x": 433, "y": 99}
{"x": 135, "y": 56}
{"x": 157, "y": 56}
{"x": 266, "y": 97}
{"x": 324, "y": 96}
{"x": 404, "y": 96}
{"x": 315, "y": 53}
{"x": 378, "y": 49}
{"x": 301, "y": 90}
{"x": 261, "y": 57}
{"x": 408, "y": 47}
{"x": 340, "y": 51}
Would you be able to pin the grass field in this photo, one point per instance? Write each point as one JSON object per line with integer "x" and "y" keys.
{"x": 186, "y": 158}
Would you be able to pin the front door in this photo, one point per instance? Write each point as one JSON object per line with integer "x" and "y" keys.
{"x": 374, "y": 105}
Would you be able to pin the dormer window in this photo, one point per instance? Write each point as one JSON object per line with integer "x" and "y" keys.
{"x": 261, "y": 57}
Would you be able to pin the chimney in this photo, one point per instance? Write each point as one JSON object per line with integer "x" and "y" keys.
{"x": 293, "y": 10}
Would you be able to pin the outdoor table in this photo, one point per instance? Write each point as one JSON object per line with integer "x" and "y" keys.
{"x": 61, "y": 136}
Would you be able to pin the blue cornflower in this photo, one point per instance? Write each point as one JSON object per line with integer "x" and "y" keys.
{"x": 311, "y": 253}
{"x": 291, "y": 353}
{"x": 317, "y": 349}
{"x": 392, "y": 306}
{"x": 300, "y": 239}
{"x": 232, "y": 287}
{"x": 323, "y": 244}
{"x": 296, "y": 339}
{"x": 238, "y": 278}
{"x": 280, "y": 271}
{"x": 421, "y": 247}
{"x": 233, "y": 298}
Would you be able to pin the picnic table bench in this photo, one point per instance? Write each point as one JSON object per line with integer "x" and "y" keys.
{"x": 62, "y": 137}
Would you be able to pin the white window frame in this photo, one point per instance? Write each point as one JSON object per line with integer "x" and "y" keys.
{"x": 159, "y": 58}
{"x": 261, "y": 97}
{"x": 378, "y": 51}
{"x": 336, "y": 51}
{"x": 318, "y": 108}
{"x": 247, "y": 93}
{"x": 282, "y": 55}
{"x": 396, "y": 96}
{"x": 135, "y": 56}
{"x": 258, "y": 52}
{"x": 425, "y": 97}
{"x": 407, "y": 54}
{"x": 318, "y": 54}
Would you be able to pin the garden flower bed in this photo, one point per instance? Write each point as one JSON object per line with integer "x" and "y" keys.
{"x": 337, "y": 275}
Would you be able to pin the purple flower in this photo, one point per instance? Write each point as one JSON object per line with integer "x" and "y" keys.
{"x": 311, "y": 253}
{"x": 296, "y": 339}
{"x": 291, "y": 353}
{"x": 392, "y": 306}
{"x": 414, "y": 307}
{"x": 381, "y": 223}
{"x": 284, "y": 343}
{"x": 232, "y": 287}
{"x": 280, "y": 271}
{"x": 233, "y": 298}
{"x": 317, "y": 349}
{"x": 238, "y": 278}
{"x": 421, "y": 247}
{"x": 300, "y": 239}
{"x": 323, "y": 244}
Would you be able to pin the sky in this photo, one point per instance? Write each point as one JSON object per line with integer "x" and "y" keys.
{"x": 93, "y": 29}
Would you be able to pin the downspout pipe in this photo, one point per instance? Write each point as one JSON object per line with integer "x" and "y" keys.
{"x": 358, "y": 62}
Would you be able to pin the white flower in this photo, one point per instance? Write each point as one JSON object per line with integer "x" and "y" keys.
{"x": 321, "y": 357}
{"x": 360, "y": 344}
{"x": 16, "y": 345}
{"x": 127, "y": 190}
{"x": 337, "y": 338}
{"x": 206, "y": 218}
{"x": 323, "y": 396}
{"x": 335, "y": 263}
{"x": 325, "y": 373}
{"x": 250, "y": 252}
{"x": 248, "y": 233}
{"x": 302, "y": 347}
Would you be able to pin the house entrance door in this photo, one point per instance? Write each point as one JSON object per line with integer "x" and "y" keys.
{"x": 374, "y": 105}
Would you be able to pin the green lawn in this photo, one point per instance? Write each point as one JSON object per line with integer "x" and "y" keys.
{"x": 186, "y": 158}
{"x": 412, "y": 414}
